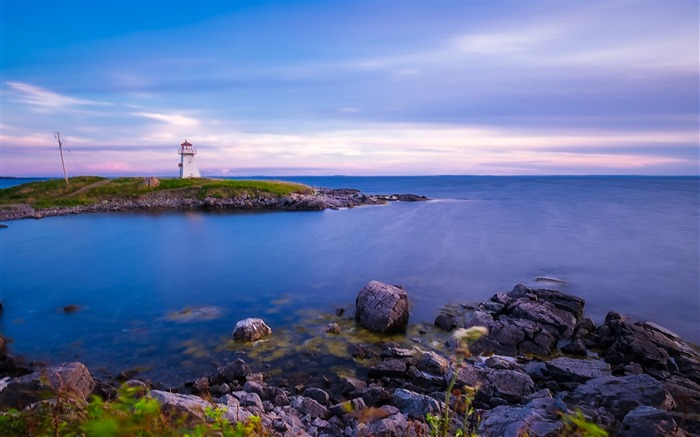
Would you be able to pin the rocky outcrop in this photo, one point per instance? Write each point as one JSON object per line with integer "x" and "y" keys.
{"x": 71, "y": 379}
{"x": 382, "y": 308}
{"x": 526, "y": 321}
{"x": 250, "y": 329}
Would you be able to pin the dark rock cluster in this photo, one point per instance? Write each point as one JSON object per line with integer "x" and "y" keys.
{"x": 632, "y": 379}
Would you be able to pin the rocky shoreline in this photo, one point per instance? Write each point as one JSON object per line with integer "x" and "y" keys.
{"x": 541, "y": 358}
{"x": 319, "y": 199}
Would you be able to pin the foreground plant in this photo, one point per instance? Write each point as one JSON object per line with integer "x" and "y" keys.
{"x": 464, "y": 396}
{"x": 131, "y": 413}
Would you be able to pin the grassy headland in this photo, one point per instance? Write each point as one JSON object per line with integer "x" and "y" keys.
{"x": 90, "y": 190}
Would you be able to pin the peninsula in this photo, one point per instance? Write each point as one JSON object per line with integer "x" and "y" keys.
{"x": 88, "y": 194}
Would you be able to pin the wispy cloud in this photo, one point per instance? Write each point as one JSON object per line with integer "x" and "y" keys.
{"x": 173, "y": 119}
{"x": 45, "y": 99}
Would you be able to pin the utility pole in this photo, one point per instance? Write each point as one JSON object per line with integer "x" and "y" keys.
{"x": 57, "y": 135}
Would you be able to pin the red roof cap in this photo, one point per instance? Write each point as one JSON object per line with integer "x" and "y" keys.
{"x": 186, "y": 143}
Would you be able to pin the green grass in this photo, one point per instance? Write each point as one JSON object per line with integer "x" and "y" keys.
{"x": 87, "y": 190}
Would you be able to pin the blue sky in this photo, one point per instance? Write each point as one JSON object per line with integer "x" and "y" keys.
{"x": 351, "y": 87}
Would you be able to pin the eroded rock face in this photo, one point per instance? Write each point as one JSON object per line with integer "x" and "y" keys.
{"x": 382, "y": 308}
{"x": 251, "y": 329}
{"x": 71, "y": 379}
{"x": 526, "y": 321}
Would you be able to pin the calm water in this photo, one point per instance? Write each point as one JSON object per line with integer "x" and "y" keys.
{"x": 625, "y": 244}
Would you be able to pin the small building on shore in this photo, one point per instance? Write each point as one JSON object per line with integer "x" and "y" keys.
{"x": 188, "y": 167}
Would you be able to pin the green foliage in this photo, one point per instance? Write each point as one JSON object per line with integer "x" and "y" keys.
{"x": 441, "y": 425}
{"x": 88, "y": 190}
{"x": 45, "y": 190}
{"x": 132, "y": 413}
{"x": 577, "y": 425}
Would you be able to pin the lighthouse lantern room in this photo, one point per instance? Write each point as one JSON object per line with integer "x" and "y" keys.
{"x": 188, "y": 168}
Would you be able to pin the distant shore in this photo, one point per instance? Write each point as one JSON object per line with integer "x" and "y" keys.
{"x": 92, "y": 195}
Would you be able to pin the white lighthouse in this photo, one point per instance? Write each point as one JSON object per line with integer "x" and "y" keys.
{"x": 188, "y": 168}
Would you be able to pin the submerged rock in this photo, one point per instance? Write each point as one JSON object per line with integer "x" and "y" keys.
{"x": 250, "y": 329}
{"x": 382, "y": 308}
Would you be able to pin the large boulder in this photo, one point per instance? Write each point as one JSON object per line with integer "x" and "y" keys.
{"x": 382, "y": 308}
{"x": 250, "y": 329}
{"x": 70, "y": 379}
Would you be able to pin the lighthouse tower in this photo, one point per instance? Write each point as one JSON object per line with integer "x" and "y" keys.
{"x": 188, "y": 168}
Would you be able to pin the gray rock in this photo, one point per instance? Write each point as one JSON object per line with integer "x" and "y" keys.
{"x": 71, "y": 379}
{"x": 181, "y": 404}
{"x": 151, "y": 181}
{"x": 351, "y": 384}
{"x": 566, "y": 302}
{"x": 318, "y": 395}
{"x": 479, "y": 318}
{"x": 235, "y": 371}
{"x": 575, "y": 347}
{"x": 392, "y": 368}
{"x": 446, "y": 322}
{"x": 415, "y": 405}
{"x": 391, "y": 350}
{"x": 353, "y": 406}
{"x": 252, "y": 402}
{"x": 526, "y": 321}
{"x": 646, "y": 421}
{"x": 250, "y": 329}
{"x": 234, "y": 411}
{"x": 538, "y": 418}
{"x": 571, "y": 370}
{"x": 500, "y": 363}
{"x": 372, "y": 395}
{"x": 511, "y": 386}
{"x": 389, "y": 422}
{"x": 309, "y": 406}
{"x": 382, "y": 308}
{"x": 333, "y": 328}
{"x": 432, "y": 362}
{"x": 254, "y": 387}
{"x": 619, "y": 395}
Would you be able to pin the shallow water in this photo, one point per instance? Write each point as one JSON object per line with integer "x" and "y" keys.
{"x": 622, "y": 243}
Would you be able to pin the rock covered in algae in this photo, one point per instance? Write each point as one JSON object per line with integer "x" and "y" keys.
{"x": 382, "y": 308}
{"x": 250, "y": 329}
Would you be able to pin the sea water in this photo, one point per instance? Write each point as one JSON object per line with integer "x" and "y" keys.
{"x": 627, "y": 244}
